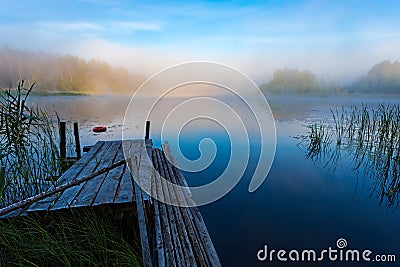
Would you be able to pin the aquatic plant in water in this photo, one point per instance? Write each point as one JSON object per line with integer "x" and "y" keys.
{"x": 370, "y": 137}
{"x": 28, "y": 146}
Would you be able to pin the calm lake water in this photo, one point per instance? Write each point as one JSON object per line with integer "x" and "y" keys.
{"x": 301, "y": 204}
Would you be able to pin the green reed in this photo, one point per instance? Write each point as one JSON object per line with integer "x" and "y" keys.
{"x": 319, "y": 139}
{"x": 28, "y": 146}
{"x": 370, "y": 136}
{"x": 80, "y": 239}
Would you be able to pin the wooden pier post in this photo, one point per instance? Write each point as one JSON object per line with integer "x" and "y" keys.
{"x": 147, "y": 136}
{"x": 63, "y": 140}
{"x": 77, "y": 142}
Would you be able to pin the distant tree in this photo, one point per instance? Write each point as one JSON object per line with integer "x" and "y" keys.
{"x": 292, "y": 81}
{"x": 381, "y": 78}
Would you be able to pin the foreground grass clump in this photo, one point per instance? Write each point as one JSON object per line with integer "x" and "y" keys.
{"x": 28, "y": 146}
{"x": 84, "y": 240}
{"x": 370, "y": 137}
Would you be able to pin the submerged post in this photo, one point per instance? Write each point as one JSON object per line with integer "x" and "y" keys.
{"x": 147, "y": 130}
{"x": 63, "y": 140}
{"x": 77, "y": 142}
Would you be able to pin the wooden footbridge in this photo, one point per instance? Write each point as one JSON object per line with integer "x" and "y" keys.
{"x": 170, "y": 235}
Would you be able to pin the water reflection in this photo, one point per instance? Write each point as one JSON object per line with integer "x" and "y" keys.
{"x": 296, "y": 207}
{"x": 366, "y": 140}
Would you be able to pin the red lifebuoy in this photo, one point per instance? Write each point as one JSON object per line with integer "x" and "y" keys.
{"x": 99, "y": 129}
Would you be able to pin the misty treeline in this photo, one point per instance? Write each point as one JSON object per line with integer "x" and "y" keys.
{"x": 381, "y": 78}
{"x": 56, "y": 73}
{"x": 65, "y": 73}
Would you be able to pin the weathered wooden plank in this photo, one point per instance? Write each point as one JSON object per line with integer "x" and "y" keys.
{"x": 109, "y": 187}
{"x": 26, "y": 202}
{"x": 205, "y": 237}
{"x": 178, "y": 249}
{"x": 90, "y": 189}
{"x": 81, "y": 163}
{"x": 145, "y": 170}
{"x": 149, "y": 149}
{"x": 200, "y": 254}
{"x": 185, "y": 221}
{"x": 43, "y": 204}
{"x": 197, "y": 218}
{"x": 164, "y": 196}
{"x": 70, "y": 174}
{"x": 125, "y": 191}
{"x": 158, "y": 239}
{"x": 184, "y": 227}
{"x": 186, "y": 194}
{"x": 179, "y": 213}
{"x": 135, "y": 152}
{"x": 136, "y": 149}
{"x": 15, "y": 213}
{"x": 133, "y": 166}
{"x": 68, "y": 195}
{"x": 183, "y": 233}
{"x": 165, "y": 228}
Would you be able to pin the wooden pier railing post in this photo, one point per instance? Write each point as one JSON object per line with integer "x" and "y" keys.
{"x": 63, "y": 140}
{"x": 147, "y": 136}
{"x": 77, "y": 142}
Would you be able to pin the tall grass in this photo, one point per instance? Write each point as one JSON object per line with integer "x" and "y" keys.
{"x": 370, "y": 137}
{"x": 28, "y": 155}
{"x": 82, "y": 239}
{"x": 28, "y": 146}
{"x": 319, "y": 139}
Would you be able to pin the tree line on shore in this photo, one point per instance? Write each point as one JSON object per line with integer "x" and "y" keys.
{"x": 71, "y": 74}
{"x": 63, "y": 73}
{"x": 383, "y": 78}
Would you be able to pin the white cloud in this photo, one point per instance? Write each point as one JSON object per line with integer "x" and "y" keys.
{"x": 133, "y": 26}
{"x": 92, "y": 29}
{"x": 70, "y": 26}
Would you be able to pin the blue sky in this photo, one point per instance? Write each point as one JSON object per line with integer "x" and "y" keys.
{"x": 335, "y": 39}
